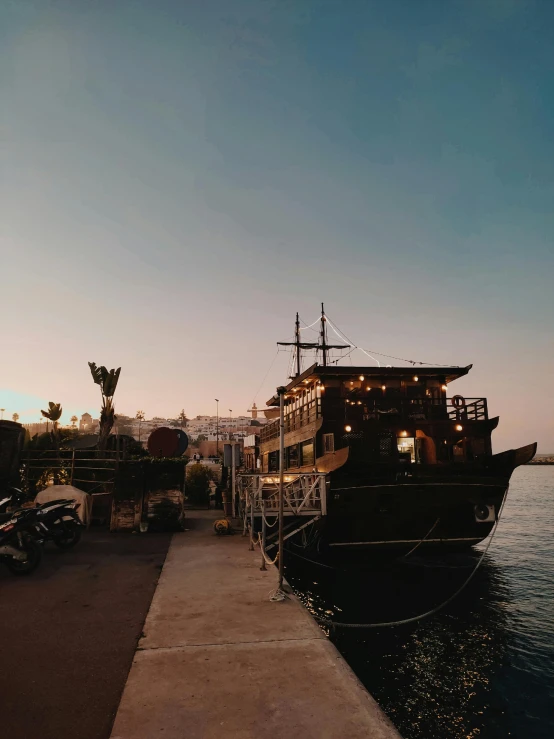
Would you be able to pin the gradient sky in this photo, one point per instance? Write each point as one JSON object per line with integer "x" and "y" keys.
{"x": 179, "y": 177}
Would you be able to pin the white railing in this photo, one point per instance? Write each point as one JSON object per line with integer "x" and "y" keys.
{"x": 304, "y": 494}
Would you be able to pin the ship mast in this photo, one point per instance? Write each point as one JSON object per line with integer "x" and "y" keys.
{"x": 324, "y": 346}
{"x": 321, "y": 345}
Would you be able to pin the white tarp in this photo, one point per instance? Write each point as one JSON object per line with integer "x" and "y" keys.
{"x": 68, "y": 492}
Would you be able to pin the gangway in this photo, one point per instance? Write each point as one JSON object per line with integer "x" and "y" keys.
{"x": 304, "y": 494}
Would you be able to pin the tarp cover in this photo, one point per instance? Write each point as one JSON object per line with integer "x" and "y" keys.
{"x": 57, "y": 492}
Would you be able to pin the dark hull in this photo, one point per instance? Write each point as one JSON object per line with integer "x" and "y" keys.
{"x": 377, "y": 508}
{"x": 403, "y": 515}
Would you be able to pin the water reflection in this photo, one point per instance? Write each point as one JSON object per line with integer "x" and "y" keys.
{"x": 483, "y": 667}
{"x": 433, "y": 677}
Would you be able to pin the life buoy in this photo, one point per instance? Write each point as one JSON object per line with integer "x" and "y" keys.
{"x": 458, "y": 401}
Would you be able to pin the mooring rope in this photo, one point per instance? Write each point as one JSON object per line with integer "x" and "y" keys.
{"x": 267, "y": 561}
{"x": 421, "y": 542}
{"x": 413, "y": 619}
{"x": 270, "y": 525}
{"x": 344, "y": 569}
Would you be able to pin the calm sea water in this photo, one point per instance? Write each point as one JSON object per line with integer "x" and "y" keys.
{"x": 484, "y": 666}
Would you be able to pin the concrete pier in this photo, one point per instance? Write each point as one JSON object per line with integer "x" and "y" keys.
{"x": 218, "y": 658}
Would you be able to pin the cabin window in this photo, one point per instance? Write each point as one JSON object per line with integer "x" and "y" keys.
{"x": 308, "y": 456}
{"x": 292, "y": 456}
{"x": 328, "y": 443}
{"x": 458, "y": 452}
{"x": 406, "y": 448}
{"x": 273, "y": 462}
{"x": 477, "y": 447}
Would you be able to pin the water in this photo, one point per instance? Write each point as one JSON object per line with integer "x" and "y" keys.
{"x": 484, "y": 666}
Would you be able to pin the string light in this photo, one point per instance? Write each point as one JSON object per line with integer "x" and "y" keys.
{"x": 348, "y": 429}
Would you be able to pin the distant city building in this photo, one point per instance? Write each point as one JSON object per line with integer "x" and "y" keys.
{"x": 85, "y": 424}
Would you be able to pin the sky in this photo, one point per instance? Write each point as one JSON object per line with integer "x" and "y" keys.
{"x": 177, "y": 179}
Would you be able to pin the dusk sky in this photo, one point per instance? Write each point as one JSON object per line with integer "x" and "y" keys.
{"x": 179, "y": 178}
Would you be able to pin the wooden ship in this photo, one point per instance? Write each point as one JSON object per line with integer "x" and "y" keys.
{"x": 406, "y": 462}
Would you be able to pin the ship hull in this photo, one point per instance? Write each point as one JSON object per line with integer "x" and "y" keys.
{"x": 401, "y": 516}
{"x": 380, "y": 508}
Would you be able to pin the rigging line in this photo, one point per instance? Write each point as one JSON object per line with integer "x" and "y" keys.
{"x": 351, "y": 343}
{"x": 412, "y": 361}
{"x": 265, "y": 376}
{"x": 305, "y": 326}
{"x": 381, "y": 354}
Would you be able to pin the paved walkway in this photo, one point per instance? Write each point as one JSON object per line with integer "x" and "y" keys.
{"x": 219, "y": 659}
{"x": 69, "y": 631}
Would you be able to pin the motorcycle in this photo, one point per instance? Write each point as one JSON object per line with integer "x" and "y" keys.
{"x": 19, "y": 549}
{"x": 58, "y": 521}
{"x": 55, "y": 520}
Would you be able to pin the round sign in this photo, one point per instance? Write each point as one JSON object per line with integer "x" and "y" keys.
{"x": 183, "y": 441}
{"x": 163, "y": 442}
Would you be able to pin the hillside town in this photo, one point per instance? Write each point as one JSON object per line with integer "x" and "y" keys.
{"x": 202, "y": 428}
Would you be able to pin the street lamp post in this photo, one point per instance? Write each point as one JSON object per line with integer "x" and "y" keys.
{"x": 217, "y": 427}
{"x": 140, "y": 418}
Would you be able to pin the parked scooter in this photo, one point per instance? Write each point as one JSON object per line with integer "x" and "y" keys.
{"x": 19, "y": 549}
{"x": 55, "y": 520}
{"x": 58, "y": 521}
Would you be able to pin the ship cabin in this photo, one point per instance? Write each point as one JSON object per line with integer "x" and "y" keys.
{"x": 393, "y": 415}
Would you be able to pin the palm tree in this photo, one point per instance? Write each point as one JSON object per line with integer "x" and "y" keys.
{"x": 107, "y": 380}
{"x": 140, "y": 418}
{"x": 53, "y": 414}
{"x": 15, "y": 417}
{"x": 74, "y": 420}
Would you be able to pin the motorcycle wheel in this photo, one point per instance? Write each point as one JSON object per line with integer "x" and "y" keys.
{"x": 34, "y": 557}
{"x": 69, "y": 538}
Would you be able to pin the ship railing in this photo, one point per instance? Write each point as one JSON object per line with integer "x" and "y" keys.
{"x": 421, "y": 409}
{"x": 475, "y": 409}
{"x": 295, "y": 420}
{"x": 304, "y": 494}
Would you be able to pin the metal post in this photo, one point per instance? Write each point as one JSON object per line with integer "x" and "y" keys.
{"x": 252, "y": 522}
{"x": 263, "y": 567}
{"x": 233, "y": 482}
{"x": 216, "y": 427}
{"x": 72, "y": 466}
{"x": 281, "y": 392}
